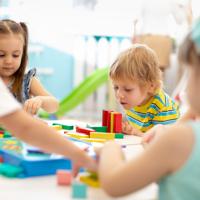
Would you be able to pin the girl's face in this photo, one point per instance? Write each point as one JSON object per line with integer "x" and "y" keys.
{"x": 193, "y": 90}
{"x": 130, "y": 94}
{"x": 11, "y": 49}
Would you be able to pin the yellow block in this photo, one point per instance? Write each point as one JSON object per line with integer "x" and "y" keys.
{"x": 57, "y": 127}
{"x": 77, "y": 135}
{"x": 1, "y": 135}
{"x": 93, "y": 140}
{"x": 106, "y": 136}
{"x": 112, "y": 122}
{"x": 88, "y": 180}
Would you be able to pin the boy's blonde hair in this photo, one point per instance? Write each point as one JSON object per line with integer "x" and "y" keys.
{"x": 138, "y": 63}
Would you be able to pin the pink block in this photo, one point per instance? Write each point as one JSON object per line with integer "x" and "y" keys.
{"x": 64, "y": 177}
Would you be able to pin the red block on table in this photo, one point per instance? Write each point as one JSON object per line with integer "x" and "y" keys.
{"x": 64, "y": 177}
{"x": 86, "y": 131}
{"x": 117, "y": 122}
{"x": 105, "y": 117}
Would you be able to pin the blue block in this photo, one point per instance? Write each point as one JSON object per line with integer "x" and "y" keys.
{"x": 79, "y": 190}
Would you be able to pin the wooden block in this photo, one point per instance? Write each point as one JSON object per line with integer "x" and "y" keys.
{"x": 78, "y": 135}
{"x": 64, "y": 177}
{"x": 57, "y": 127}
{"x": 98, "y": 128}
{"x": 117, "y": 122}
{"x": 112, "y": 122}
{"x": 89, "y": 180}
{"x": 107, "y": 136}
{"x": 65, "y": 127}
{"x": 79, "y": 190}
{"x": 84, "y": 130}
{"x": 119, "y": 135}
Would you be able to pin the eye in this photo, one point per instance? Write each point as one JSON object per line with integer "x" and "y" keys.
{"x": 128, "y": 89}
{"x": 115, "y": 87}
{"x": 16, "y": 55}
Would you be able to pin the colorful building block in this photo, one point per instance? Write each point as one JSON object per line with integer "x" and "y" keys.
{"x": 64, "y": 177}
{"x": 9, "y": 170}
{"x": 119, "y": 135}
{"x": 117, "y": 122}
{"x": 65, "y": 127}
{"x": 98, "y": 128}
{"x": 111, "y": 122}
{"x": 90, "y": 180}
{"x": 84, "y": 130}
{"x": 79, "y": 190}
{"x": 78, "y": 135}
{"x": 106, "y": 136}
{"x": 105, "y": 117}
{"x": 57, "y": 127}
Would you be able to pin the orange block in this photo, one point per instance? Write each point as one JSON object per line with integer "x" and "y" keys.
{"x": 64, "y": 177}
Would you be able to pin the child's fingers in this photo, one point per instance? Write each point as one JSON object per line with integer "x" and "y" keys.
{"x": 75, "y": 170}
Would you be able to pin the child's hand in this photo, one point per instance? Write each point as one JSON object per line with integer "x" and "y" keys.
{"x": 91, "y": 166}
{"x": 33, "y": 105}
{"x": 130, "y": 130}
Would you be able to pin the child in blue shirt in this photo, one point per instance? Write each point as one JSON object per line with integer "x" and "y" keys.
{"x": 172, "y": 156}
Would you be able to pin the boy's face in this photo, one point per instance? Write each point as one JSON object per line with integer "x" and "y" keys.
{"x": 11, "y": 49}
{"x": 129, "y": 94}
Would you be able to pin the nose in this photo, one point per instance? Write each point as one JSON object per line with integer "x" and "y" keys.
{"x": 8, "y": 59}
{"x": 119, "y": 94}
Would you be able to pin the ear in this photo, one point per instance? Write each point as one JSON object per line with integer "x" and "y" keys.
{"x": 152, "y": 88}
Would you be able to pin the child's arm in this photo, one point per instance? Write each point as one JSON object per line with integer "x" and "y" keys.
{"x": 41, "y": 99}
{"x": 189, "y": 115}
{"x": 37, "y": 133}
{"x": 166, "y": 154}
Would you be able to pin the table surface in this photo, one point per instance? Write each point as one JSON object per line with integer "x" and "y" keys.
{"x": 46, "y": 187}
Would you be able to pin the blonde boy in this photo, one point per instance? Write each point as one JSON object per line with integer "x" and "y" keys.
{"x": 137, "y": 82}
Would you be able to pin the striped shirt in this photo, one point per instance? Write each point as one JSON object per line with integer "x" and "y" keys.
{"x": 160, "y": 109}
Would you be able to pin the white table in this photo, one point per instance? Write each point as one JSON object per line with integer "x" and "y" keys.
{"x": 46, "y": 188}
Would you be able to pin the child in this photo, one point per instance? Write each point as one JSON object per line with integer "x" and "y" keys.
{"x": 137, "y": 84}
{"x": 13, "y": 60}
{"x": 172, "y": 157}
{"x": 30, "y": 130}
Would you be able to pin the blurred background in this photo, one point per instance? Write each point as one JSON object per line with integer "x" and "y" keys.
{"x": 73, "y": 42}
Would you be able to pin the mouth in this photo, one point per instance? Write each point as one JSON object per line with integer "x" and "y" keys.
{"x": 123, "y": 103}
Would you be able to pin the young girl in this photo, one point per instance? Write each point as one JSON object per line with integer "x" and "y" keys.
{"x": 172, "y": 157}
{"x": 136, "y": 78}
{"x": 13, "y": 60}
{"x": 30, "y": 129}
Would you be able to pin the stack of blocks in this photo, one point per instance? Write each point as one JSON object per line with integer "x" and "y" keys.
{"x": 111, "y": 128}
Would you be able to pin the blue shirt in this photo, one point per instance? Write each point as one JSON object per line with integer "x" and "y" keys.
{"x": 26, "y": 84}
{"x": 185, "y": 183}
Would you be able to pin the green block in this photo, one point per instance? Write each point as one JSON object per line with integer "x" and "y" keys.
{"x": 98, "y": 128}
{"x": 2, "y": 129}
{"x": 9, "y": 170}
{"x": 65, "y": 127}
{"x": 7, "y": 134}
{"x": 119, "y": 135}
{"x": 79, "y": 190}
